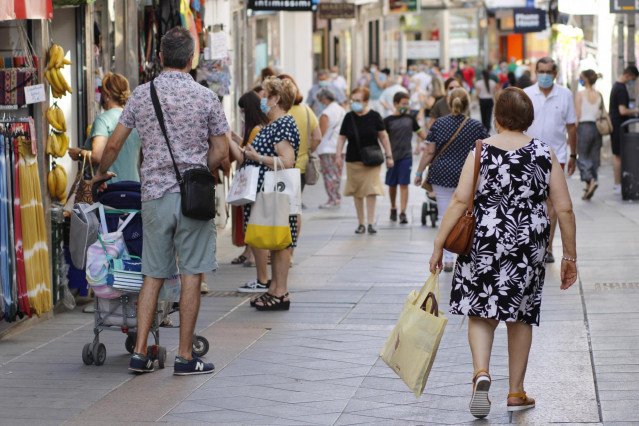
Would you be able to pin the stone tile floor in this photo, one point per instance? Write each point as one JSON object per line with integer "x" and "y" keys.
{"x": 319, "y": 363}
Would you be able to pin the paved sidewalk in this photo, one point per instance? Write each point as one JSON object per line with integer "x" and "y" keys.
{"x": 319, "y": 362}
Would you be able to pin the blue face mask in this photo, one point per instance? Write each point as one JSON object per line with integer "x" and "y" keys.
{"x": 411, "y": 86}
{"x": 323, "y": 83}
{"x": 545, "y": 81}
{"x": 263, "y": 106}
{"x": 357, "y": 107}
{"x": 411, "y": 72}
{"x": 631, "y": 84}
{"x": 582, "y": 82}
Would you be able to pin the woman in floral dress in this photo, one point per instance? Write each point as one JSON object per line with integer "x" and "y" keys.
{"x": 502, "y": 277}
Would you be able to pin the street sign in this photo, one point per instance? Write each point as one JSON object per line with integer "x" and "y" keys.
{"x": 282, "y": 5}
{"x": 624, "y": 6}
{"x": 336, "y": 11}
{"x": 528, "y": 20}
{"x": 402, "y": 5}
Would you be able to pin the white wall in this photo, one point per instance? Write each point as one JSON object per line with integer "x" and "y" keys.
{"x": 296, "y": 38}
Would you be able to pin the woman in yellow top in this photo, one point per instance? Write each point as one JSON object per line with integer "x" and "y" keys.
{"x": 306, "y": 120}
{"x": 253, "y": 120}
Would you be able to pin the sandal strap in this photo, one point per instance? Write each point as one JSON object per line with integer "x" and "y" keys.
{"x": 479, "y": 372}
{"x": 275, "y": 300}
{"x": 518, "y": 395}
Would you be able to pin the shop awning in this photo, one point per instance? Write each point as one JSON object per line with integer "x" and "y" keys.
{"x": 25, "y": 9}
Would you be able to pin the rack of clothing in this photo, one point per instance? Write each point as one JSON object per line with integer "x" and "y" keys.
{"x": 24, "y": 255}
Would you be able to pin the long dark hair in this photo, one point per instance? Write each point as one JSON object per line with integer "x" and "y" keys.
{"x": 253, "y": 115}
{"x": 485, "y": 75}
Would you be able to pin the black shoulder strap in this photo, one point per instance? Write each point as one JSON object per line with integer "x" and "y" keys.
{"x": 355, "y": 128}
{"x": 160, "y": 117}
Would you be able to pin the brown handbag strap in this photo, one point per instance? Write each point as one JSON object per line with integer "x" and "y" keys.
{"x": 477, "y": 164}
{"x": 451, "y": 140}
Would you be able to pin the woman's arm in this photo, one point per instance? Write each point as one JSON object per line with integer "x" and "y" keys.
{"x": 235, "y": 137}
{"x": 316, "y": 136}
{"x": 383, "y": 137}
{"x": 560, "y": 200}
{"x": 456, "y": 208}
{"x": 340, "y": 146}
{"x": 284, "y": 151}
{"x": 578, "y": 106}
{"x": 323, "y": 124}
{"x": 427, "y": 154}
{"x": 97, "y": 148}
{"x": 236, "y": 153}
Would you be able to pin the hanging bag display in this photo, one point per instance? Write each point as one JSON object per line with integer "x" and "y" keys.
{"x": 312, "y": 173}
{"x": 460, "y": 239}
{"x": 243, "y": 186}
{"x": 425, "y": 185}
{"x": 604, "y": 125}
{"x": 285, "y": 181}
{"x": 412, "y": 345}
{"x": 371, "y": 155}
{"x": 197, "y": 186}
{"x": 268, "y": 226}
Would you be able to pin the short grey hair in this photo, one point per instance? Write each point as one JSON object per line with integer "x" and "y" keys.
{"x": 326, "y": 93}
{"x": 321, "y": 73}
{"x": 547, "y": 60}
{"x": 177, "y": 47}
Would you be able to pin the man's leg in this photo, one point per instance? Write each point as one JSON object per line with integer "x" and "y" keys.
{"x": 147, "y": 304}
{"x": 392, "y": 192}
{"x": 189, "y": 308}
{"x": 403, "y": 197}
{"x": 616, "y": 167}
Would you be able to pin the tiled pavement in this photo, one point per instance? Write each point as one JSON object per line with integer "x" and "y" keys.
{"x": 319, "y": 364}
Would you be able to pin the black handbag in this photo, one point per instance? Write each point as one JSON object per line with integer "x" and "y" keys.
{"x": 371, "y": 155}
{"x": 197, "y": 186}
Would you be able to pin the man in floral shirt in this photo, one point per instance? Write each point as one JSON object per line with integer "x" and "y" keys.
{"x": 196, "y": 127}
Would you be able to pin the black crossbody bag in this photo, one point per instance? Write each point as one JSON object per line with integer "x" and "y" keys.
{"x": 371, "y": 155}
{"x": 197, "y": 186}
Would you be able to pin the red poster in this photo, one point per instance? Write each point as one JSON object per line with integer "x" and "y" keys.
{"x": 26, "y": 9}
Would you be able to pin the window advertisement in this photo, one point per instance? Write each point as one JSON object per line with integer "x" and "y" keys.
{"x": 464, "y": 33}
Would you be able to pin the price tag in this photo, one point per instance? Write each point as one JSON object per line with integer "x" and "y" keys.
{"x": 34, "y": 94}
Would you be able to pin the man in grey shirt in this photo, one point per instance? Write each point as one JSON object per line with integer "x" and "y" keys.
{"x": 323, "y": 80}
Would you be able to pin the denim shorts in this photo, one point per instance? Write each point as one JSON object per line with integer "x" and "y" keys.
{"x": 399, "y": 174}
{"x": 172, "y": 241}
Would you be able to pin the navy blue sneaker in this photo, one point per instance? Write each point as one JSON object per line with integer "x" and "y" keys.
{"x": 183, "y": 367}
{"x": 141, "y": 364}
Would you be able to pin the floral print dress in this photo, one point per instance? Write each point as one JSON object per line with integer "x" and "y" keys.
{"x": 503, "y": 276}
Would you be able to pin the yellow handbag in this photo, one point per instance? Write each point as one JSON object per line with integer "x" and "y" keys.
{"x": 268, "y": 227}
{"x": 412, "y": 345}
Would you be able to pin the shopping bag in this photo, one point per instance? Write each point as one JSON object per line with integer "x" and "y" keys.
{"x": 268, "y": 227}
{"x": 243, "y": 186}
{"x": 412, "y": 345}
{"x": 289, "y": 182}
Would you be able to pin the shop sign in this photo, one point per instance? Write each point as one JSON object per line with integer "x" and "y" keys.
{"x": 624, "y": 6}
{"x": 336, "y": 11}
{"x": 505, "y": 4}
{"x": 402, "y": 6}
{"x": 463, "y": 47}
{"x": 422, "y": 49}
{"x": 25, "y": 9}
{"x": 529, "y": 20}
{"x": 282, "y": 5}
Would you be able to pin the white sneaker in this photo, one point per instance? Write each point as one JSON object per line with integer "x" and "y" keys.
{"x": 616, "y": 189}
{"x": 204, "y": 289}
{"x": 254, "y": 287}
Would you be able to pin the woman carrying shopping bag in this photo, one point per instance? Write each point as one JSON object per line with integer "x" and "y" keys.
{"x": 502, "y": 277}
{"x": 277, "y": 141}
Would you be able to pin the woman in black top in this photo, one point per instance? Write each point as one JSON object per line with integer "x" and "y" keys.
{"x": 362, "y": 127}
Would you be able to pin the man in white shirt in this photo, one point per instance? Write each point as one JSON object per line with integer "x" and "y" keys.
{"x": 425, "y": 79}
{"x": 388, "y": 94}
{"x": 337, "y": 80}
{"x": 554, "y": 118}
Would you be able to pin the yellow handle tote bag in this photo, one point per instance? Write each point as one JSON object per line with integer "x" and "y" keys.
{"x": 412, "y": 345}
{"x": 268, "y": 226}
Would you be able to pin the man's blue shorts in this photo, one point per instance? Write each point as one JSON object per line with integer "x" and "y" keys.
{"x": 399, "y": 174}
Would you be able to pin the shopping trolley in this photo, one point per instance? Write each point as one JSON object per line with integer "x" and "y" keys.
{"x": 114, "y": 273}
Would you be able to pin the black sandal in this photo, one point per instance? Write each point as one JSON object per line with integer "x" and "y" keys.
{"x": 238, "y": 260}
{"x": 274, "y": 303}
{"x": 262, "y": 298}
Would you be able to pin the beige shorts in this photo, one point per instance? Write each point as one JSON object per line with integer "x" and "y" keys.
{"x": 172, "y": 241}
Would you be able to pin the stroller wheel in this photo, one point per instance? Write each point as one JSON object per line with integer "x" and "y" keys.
{"x": 424, "y": 213}
{"x": 200, "y": 345}
{"x": 100, "y": 354}
{"x": 87, "y": 356}
{"x": 161, "y": 356}
{"x": 129, "y": 343}
{"x": 433, "y": 219}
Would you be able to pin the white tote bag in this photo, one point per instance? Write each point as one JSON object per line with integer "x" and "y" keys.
{"x": 244, "y": 186}
{"x": 289, "y": 182}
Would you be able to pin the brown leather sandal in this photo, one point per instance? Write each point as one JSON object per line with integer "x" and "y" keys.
{"x": 479, "y": 403}
{"x": 526, "y": 403}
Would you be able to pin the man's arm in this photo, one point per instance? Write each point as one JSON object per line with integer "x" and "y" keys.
{"x": 218, "y": 151}
{"x": 572, "y": 144}
{"x": 112, "y": 149}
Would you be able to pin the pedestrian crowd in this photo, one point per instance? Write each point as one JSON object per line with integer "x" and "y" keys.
{"x": 531, "y": 133}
